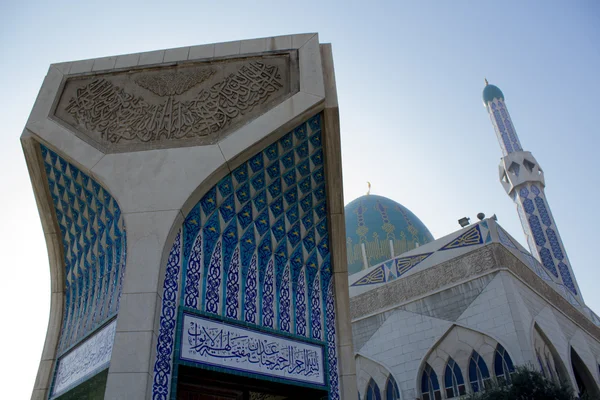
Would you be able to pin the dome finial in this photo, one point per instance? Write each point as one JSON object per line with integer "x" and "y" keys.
{"x": 369, "y": 191}
{"x": 486, "y": 82}
{"x": 491, "y": 92}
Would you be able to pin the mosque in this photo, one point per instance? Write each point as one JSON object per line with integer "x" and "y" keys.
{"x": 438, "y": 319}
{"x": 199, "y": 247}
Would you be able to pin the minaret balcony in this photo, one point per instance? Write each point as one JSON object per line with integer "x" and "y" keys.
{"x": 519, "y": 168}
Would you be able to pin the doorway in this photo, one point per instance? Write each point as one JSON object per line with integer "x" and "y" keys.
{"x": 200, "y": 384}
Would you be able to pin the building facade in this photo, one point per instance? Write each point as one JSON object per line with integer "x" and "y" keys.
{"x": 192, "y": 204}
{"x": 199, "y": 246}
{"x": 455, "y": 315}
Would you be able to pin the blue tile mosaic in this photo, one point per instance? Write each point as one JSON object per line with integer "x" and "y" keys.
{"x": 332, "y": 359}
{"x": 542, "y": 236}
{"x": 94, "y": 247}
{"x": 300, "y": 296}
{"x": 547, "y": 260}
{"x": 163, "y": 366}
{"x": 401, "y": 265}
{"x": 509, "y": 141}
{"x": 554, "y": 244}
{"x": 258, "y": 244}
{"x": 471, "y": 237}
{"x": 566, "y": 277}
{"x": 541, "y": 206}
{"x": 505, "y": 240}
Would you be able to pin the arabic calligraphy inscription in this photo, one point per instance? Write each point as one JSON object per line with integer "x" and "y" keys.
{"x": 176, "y": 106}
{"x": 90, "y": 357}
{"x": 215, "y": 343}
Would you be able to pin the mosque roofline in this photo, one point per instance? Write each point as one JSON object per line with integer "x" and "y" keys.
{"x": 487, "y": 260}
{"x": 453, "y": 247}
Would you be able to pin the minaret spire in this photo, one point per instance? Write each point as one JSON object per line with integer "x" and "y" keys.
{"x": 523, "y": 180}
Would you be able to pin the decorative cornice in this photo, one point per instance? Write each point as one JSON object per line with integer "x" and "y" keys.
{"x": 484, "y": 260}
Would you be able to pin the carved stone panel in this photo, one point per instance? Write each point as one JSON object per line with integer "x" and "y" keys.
{"x": 184, "y": 105}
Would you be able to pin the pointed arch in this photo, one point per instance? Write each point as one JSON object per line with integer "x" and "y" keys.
{"x": 368, "y": 368}
{"x": 586, "y": 384}
{"x": 373, "y": 392}
{"x": 391, "y": 389}
{"x": 540, "y": 363}
{"x": 479, "y": 375}
{"x": 549, "y": 357}
{"x": 503, "y": 365}
{"x": 454, "y": 382}
{"x": 253, "y": 237}
{"x": 430, "y": 387}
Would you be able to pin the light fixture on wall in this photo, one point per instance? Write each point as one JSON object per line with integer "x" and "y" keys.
{"x": 464, "y": 221}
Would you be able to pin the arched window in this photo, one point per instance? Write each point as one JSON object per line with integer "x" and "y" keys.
{"x": 503, "y": 365}
{"x": 479, "y": 376}
{"x": 391, "y": 389}
{"x": 430, "y": 388}
{"x": 453, "y": 380}
{"x": 541, "y": 363}
{"x": 549, "y": 365}
{"x": 373, "y": 392}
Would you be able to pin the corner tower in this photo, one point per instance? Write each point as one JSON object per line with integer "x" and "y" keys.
{"x": 523, "y": 179}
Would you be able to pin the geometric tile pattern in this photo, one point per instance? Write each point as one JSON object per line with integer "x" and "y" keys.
{"x": 163, "y": 365}
{"x": 403, "y": 264}
{"x": 374, "y": 277}
{"x": 255, "y": 248}
{"x": 391, "y": 269}
{"x": 505, "y": 240}
{"x": 259, "y": 231}
{"x": 396, "y": 267}
{"x": 94, "y": 243}
{"x": 509, "y": 141}
{"x": 542, "y": 235}
{"x": 471, "y": 237}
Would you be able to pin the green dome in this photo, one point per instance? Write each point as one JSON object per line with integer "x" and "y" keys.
{"x": 375, "y": 221}
{"x": 491, "y": 92}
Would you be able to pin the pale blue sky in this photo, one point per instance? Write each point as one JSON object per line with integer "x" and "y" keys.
{"x": 409, "y": 78}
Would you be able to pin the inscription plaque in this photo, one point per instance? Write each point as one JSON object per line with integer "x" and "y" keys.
{"x": 214, "y": 343}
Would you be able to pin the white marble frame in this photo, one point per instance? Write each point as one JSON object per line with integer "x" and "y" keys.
{"x": 83, "y": 350}
{"x": 318, "y": 346}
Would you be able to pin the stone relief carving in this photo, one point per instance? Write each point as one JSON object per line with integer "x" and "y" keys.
{"x": 173, "y": 83}
{"x": 167, "y": 107}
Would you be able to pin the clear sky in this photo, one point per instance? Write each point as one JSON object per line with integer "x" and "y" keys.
{"x": 409, "y": 77}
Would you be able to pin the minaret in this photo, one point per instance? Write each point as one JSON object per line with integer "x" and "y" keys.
{"x": 523, "y": 180}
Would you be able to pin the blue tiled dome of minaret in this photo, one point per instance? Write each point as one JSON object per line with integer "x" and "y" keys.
{"x": 383, "y": 228}
{"x": 491, "y": 92}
